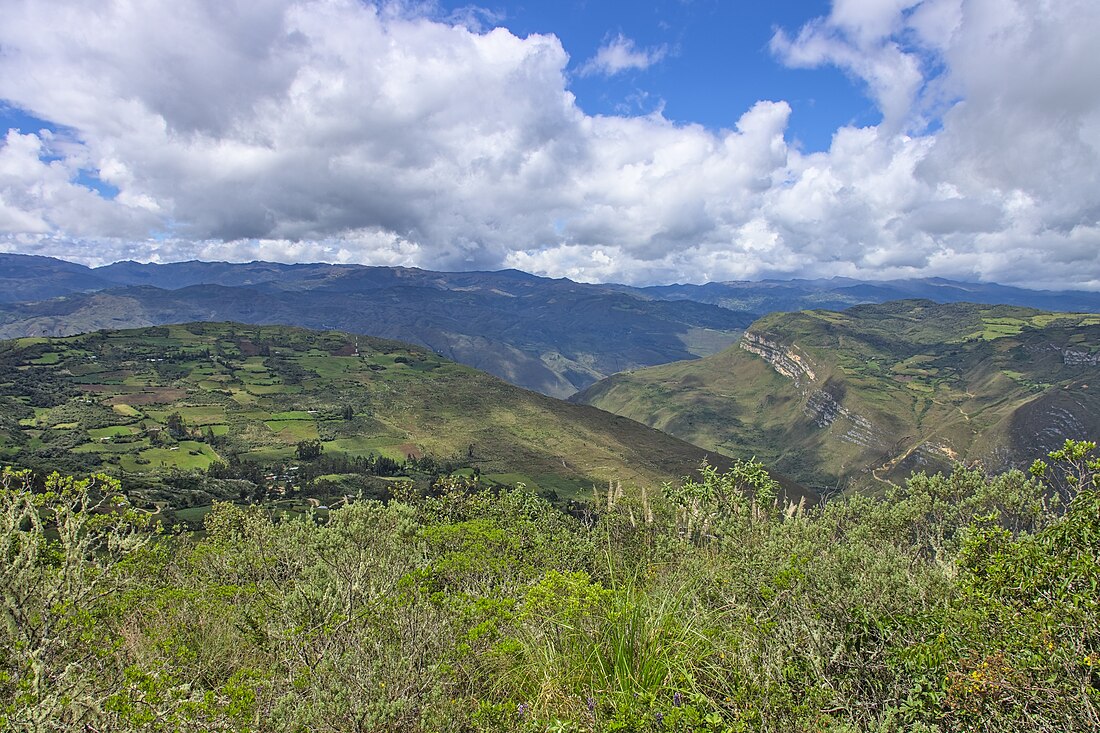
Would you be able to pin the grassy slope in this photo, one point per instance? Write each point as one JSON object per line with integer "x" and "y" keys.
{"x": 125, "y": 384}
{"x": 935, "y": 383}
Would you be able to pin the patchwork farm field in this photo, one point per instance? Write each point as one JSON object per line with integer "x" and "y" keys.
{"x": 283, "y": 406}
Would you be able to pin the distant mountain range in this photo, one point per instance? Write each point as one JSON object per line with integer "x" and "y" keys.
{"x": 555, "y": 336}
{"x": 856, "y": 398}
{"x": 771, "y": 296}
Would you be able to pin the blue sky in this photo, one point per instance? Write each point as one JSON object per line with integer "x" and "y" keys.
{"x": 14, "y": 118}
{"x": 644, "y": 142}
{"x": 717, "y": 63}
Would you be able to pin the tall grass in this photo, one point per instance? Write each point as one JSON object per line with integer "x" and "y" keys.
{"x": 712, "y": 610}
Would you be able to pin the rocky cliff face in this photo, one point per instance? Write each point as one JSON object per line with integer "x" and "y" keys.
{"x": 825, "y": 410}
{"x": 1080, "y": 357}
{"x": 819, "y": 404}
{"x": 784, "y": 359}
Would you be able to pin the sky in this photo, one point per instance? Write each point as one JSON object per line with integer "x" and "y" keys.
{"x": 636, "y": 142}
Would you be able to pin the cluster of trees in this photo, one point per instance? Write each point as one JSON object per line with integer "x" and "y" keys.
{"x": 961, "y": 602}
{"x": 236, "y": 468}
{"x": 301, "y": 478}
{"x": 287, "y": 370}
{"x": 308, "y": 450}
{"x": 39, "y": 387}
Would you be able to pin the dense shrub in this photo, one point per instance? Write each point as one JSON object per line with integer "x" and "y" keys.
{"x": 961, "y": 602}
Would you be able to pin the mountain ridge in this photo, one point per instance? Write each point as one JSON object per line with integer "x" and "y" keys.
{"x": 255, "y": 392}
{"x": 865, "y": 396}
{"x": 766, "y": 296}
{"x": 554, "y": 336}
{"x": 796, "y": 293}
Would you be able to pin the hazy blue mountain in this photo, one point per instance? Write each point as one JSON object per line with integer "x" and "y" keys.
{"x": 770, "y": 296}
{"x": 184, "y": 274}
{"x": 29, "y": 277}
{"x": 552, "y": 336}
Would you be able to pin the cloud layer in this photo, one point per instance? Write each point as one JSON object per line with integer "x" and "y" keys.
{"x": 620, "y": 54}
{"x": 333, "y": 130}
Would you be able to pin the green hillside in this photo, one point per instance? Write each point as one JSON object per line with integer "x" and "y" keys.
{"x": 852, "y": 398}
{"x": 552, "y": 336}
{"x": 172, "y": 399}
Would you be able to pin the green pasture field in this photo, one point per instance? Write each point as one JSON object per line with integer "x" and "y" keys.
{"x": 271, "y": 454}
{"x": 261, "y": 390}
{"x": 367, "y": 445}
{"x": 293, "y": 430}
{"x": 179, "y": 456}
{"x": 193, "y": 416}
{"x": 110, "y": 432}
{"x": 294, "y": 415}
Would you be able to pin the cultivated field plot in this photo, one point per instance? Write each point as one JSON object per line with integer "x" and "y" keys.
{"x": 184, "y": 398}
{"x": 165, "y": 401}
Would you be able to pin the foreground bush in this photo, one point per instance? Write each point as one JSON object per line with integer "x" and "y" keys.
{"x": 963, "y": 602}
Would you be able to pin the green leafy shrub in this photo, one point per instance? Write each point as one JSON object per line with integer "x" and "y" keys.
{"x": 961, "y": 602}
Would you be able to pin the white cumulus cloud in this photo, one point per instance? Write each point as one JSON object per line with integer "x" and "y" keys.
{"x": 339, "y": 131}
{"x": 621, "y": 54}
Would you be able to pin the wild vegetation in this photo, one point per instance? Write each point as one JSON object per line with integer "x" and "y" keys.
{"x": 861, "y": 398}
{"x": 962, "y": 602}
{"x": 273, "y": 529}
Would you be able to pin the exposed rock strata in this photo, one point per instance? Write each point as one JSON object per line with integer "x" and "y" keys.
{"x": 820, "y": 405}
{"x": 1080, "y": 357}
{"x": 785, "y": 360}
